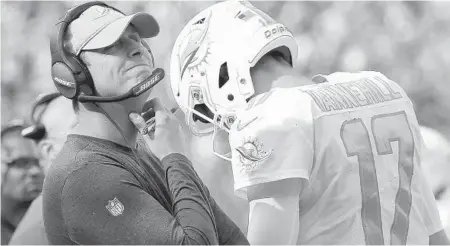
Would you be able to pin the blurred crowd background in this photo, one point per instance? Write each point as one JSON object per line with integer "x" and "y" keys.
{"x": 406, "y": 41}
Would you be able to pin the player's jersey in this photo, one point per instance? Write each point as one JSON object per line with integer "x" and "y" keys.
{"x": 356, "y": 140}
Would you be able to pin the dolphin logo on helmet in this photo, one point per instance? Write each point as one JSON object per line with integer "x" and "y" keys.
{"x": 189, "y": 55}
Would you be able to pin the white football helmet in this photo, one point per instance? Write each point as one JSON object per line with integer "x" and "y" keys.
{"x": 211, "y": 60}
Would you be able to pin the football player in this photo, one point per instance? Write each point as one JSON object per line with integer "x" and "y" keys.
{"x": 436, "y": 166}
{"x": 328, "y": 163}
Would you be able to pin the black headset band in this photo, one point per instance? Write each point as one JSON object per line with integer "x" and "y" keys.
{"x": 70, "y": 16}
{"x": 69, "y": 73}
{"x": 73, "y": 14}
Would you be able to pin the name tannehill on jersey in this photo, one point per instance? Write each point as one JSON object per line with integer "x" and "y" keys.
{"x": 346, "y": 95}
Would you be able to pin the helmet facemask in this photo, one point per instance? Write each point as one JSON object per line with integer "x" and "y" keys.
{"x": 204, "y": 122}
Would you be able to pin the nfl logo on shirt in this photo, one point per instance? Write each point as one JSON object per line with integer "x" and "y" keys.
{"x": 115, "y": 207}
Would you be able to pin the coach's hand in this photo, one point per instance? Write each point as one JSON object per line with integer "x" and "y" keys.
{"x": 163, "y": 134}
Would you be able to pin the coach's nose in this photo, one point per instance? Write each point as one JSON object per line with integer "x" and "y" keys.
{"x": 135, "y": 44}
{"x": 138, "y": 51}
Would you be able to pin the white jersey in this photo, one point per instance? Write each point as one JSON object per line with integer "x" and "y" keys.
{"x": 356, "y": 140}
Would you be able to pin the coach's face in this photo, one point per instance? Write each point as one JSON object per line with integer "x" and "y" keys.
{"x": 117, "y": 68}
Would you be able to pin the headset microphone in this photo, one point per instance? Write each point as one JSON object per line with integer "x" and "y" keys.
{"x": 155, "y": 78}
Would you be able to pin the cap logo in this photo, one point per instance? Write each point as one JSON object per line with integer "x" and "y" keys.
{"x": 99, "y": 12}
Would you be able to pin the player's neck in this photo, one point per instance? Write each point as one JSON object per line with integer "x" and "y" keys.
{"x": 289, "y": 81}
{"x": 96, "y": 124}
{"x": 274, "y": 72}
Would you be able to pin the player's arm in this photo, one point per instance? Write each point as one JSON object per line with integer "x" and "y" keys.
{"x": 180, "y": 170}
{"x": 272, "y": 161}
{"x": 139, "y": 218}
{"x": 274, "y": 212}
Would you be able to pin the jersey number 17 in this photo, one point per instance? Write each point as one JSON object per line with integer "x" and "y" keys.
{"x": 385, "y": 129}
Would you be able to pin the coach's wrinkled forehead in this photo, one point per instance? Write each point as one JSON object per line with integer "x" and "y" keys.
{"x": 100, "y": 26}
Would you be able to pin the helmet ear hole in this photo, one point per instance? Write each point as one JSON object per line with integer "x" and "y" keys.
{"x": 223, "y": 75}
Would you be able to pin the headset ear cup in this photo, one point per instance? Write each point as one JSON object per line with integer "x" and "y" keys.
{"x": 64, "y": 79}
{"x": 84, "y": 79}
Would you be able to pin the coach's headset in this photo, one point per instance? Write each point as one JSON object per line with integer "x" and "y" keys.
{"x": 37, "y": 130}
{"x": 72, "y": 78}
{"x": 70, "y": 75}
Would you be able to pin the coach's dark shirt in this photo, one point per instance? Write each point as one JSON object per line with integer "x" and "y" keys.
{"x": 90, "y": 198}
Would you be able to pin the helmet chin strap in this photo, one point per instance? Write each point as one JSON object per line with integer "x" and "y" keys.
{"x": 226, "y": 156}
